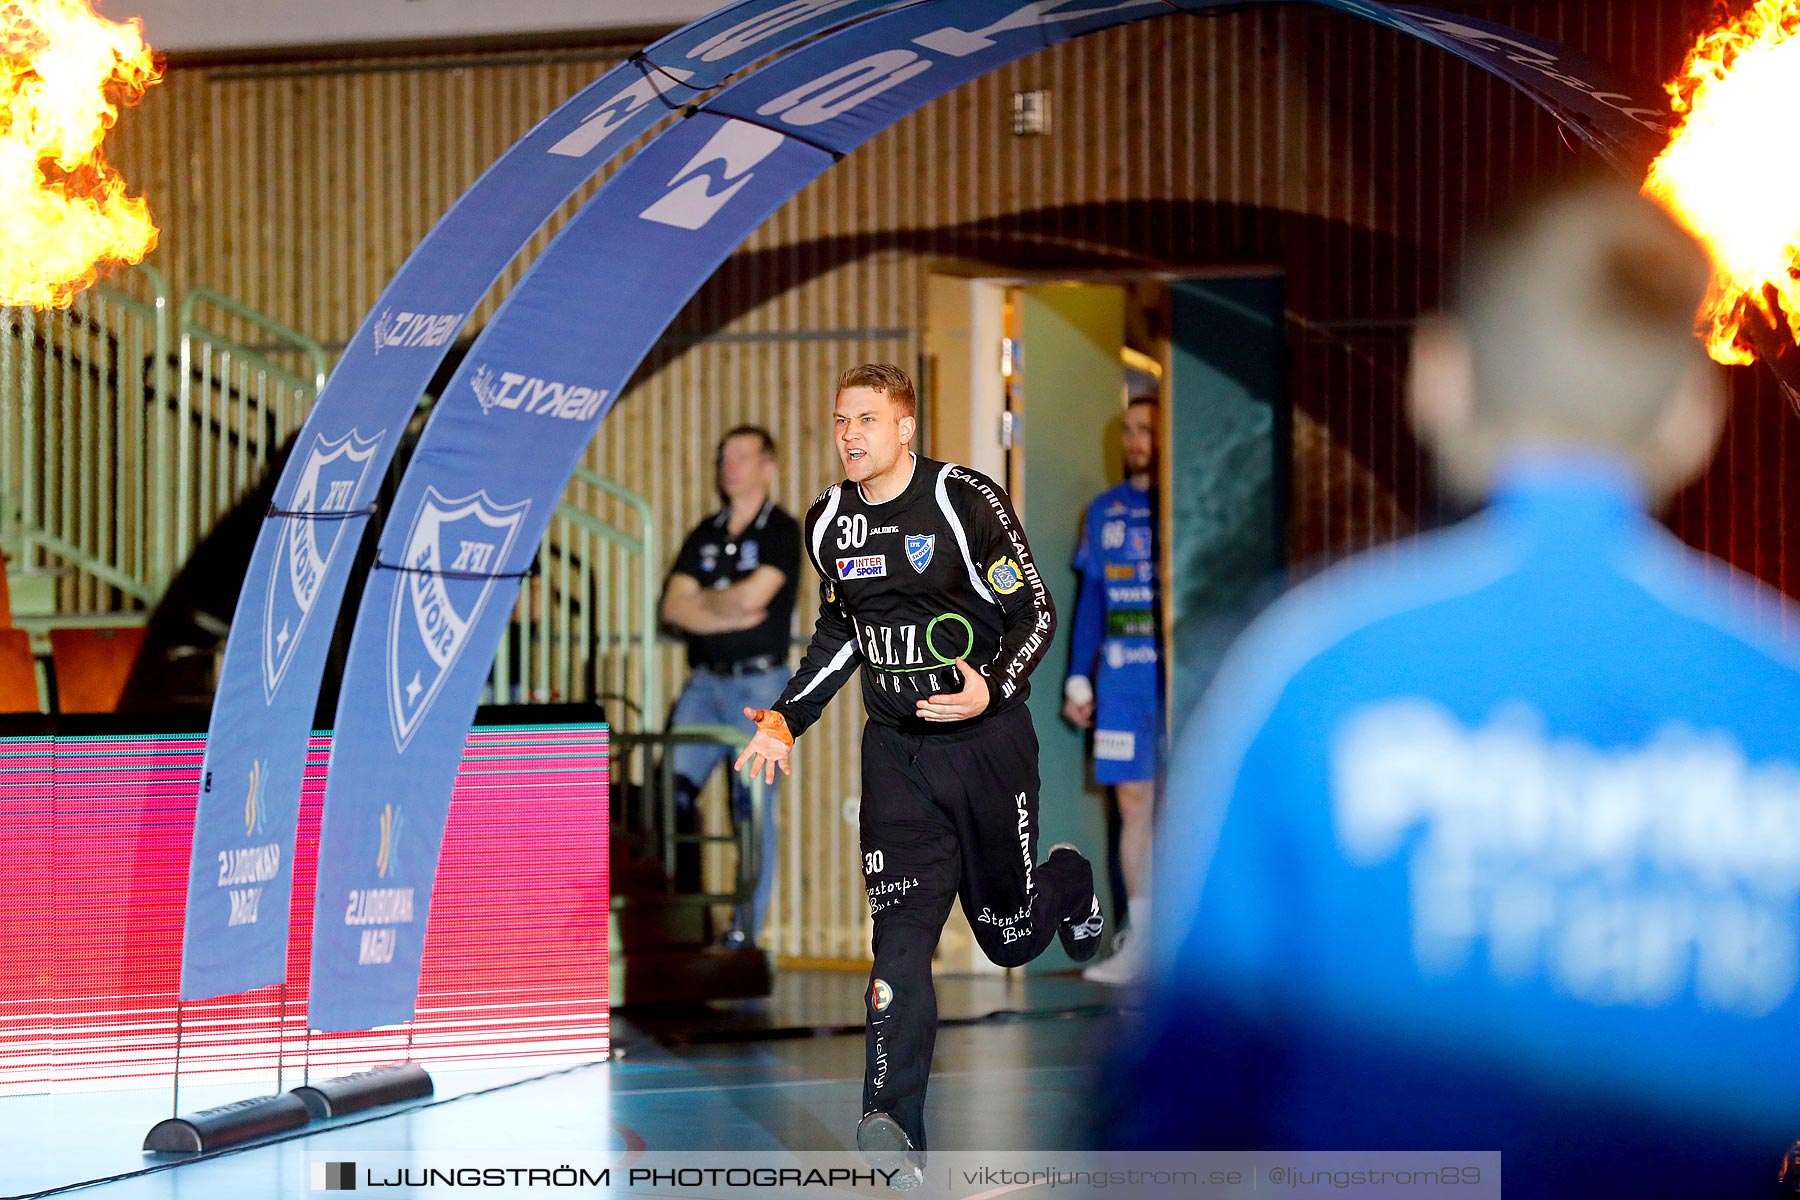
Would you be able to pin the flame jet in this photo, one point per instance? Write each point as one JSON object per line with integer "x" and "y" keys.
{"x": 1719, "y": 178}
{"x": 64, "y": 73}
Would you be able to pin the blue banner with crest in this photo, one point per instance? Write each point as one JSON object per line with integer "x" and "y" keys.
{"x": 516, "y": 419}
{"x": 243, "y": 835}
{"x": 240, "y": 874}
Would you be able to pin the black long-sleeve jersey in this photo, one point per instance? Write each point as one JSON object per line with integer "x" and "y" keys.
{"x": 940, "y": 572}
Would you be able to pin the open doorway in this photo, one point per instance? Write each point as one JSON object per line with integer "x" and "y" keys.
{"x": 1028, "y": 380}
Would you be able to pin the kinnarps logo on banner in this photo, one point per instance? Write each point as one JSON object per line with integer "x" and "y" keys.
{"x": 1540, "y": 59}
{"x": 404, "y": 331}
{"x": 722, "y": 168}
{"x": 541, "y": 397}
{"x": 467, "y": 539}
{"x": 333, "y": 477}
{"x": 599, "y": 124}
{"x": 717, "y": 172}
{"x": 761, "y": 26}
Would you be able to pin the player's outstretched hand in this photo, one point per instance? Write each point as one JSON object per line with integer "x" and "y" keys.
{"x": 769, "y": 748}
{"x": 972, "y": 701}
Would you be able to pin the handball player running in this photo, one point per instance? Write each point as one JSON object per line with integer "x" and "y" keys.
{"x": 927, "y": 583}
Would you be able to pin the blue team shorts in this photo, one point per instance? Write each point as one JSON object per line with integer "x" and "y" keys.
{"x": 1128, "y": 723}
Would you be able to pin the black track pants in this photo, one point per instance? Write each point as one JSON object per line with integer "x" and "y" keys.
{"x": 945, "y": 815}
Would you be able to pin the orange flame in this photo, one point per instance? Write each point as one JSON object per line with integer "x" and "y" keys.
{"x": 1730, "y": 174}
{"x": 64, "y": 214}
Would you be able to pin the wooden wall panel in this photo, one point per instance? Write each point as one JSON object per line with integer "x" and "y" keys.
{"x": 1352, "y": 158}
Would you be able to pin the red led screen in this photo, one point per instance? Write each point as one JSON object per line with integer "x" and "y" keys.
{"x": 94, "y": 841}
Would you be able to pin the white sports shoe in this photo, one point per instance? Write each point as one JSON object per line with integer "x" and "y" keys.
{"x": 886, "y": 1148}
{"x": 1126, "y": 966}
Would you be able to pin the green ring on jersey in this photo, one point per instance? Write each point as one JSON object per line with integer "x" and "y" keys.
{"x": 968, "y": 640}
{"x": 942, "y": 662}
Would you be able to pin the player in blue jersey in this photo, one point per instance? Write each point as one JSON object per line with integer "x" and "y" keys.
{"x": 1493, "y": 843}
{"x": 1114, "y": 685}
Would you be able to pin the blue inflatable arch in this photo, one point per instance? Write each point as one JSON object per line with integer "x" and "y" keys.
{"x": 508, "y": 432}
{"x": 241, "y": 865}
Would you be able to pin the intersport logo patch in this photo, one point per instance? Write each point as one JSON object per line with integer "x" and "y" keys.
{"x": 866, "y": 566}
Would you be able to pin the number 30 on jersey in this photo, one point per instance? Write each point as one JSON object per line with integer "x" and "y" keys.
{"x": 852, "y": 532}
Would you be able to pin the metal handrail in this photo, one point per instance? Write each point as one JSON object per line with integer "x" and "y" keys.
{"x": 230, "y": 346}
{"x": 194, "y": 331}
{"x": 140, "y": 562}
{"x": 583, "y": 612}
{"x": 214, "y": 408}
{"x": 163, "y": 555}
{"x": 644, "y": 546}
{"x": 747, "y": 834}
{"x": 103, "y": 571}
{"x": 197, "y": 296}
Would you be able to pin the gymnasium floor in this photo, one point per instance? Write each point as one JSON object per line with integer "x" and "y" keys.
{"x": 783, "y": 1074}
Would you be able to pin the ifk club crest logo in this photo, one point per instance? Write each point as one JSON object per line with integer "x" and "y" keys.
{"x": 918, "y": 550}
{"x": 449, "y": 561}
{"x": 332, "y": 478}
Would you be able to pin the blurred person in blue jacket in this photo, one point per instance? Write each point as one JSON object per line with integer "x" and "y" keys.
{"x": 1492, "y": 842}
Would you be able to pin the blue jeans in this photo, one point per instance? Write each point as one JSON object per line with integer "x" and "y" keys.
{"x": 711, "y": 699}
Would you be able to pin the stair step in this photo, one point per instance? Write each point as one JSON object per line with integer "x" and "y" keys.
{"x": 665, "y": 976}
{"x": 39, "y": 625}
{"x": 33, "y": 590}
{"x": 651, "y": 922}
{"x": 632, "y": 876}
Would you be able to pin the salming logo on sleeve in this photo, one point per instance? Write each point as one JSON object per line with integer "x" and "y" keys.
{"x": 1007, "y": 573}
{"x": 956, "y": 527}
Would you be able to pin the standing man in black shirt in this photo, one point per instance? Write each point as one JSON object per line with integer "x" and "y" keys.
{"x": 928, "y": 585}
{"x": 731, "y": 593}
